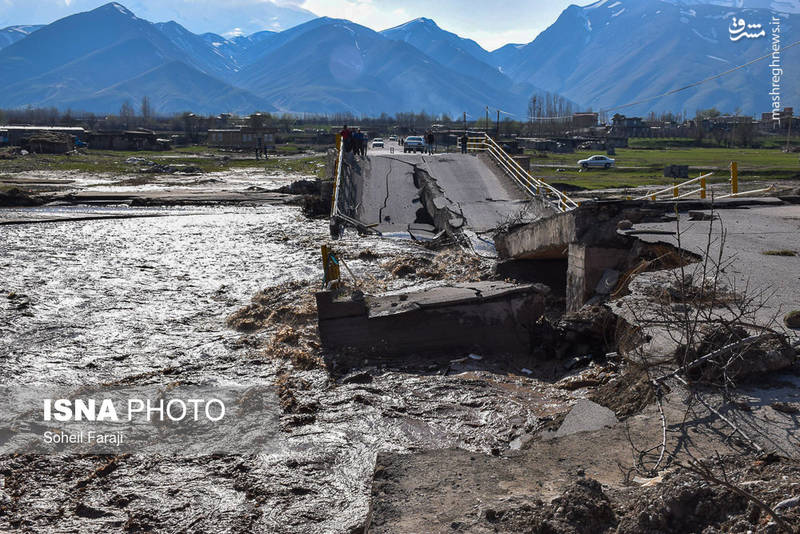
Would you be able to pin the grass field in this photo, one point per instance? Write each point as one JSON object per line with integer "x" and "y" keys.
{"x": 638, "y": 167}
{"x": 635, "y": 166}
{"x": 113, "y": 162}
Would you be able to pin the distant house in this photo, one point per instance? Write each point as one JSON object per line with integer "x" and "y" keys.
{"x": 779, "y": 119}
{"x": 128, "y": 140}
{"x": 243, "y": 138}
{"x": 584, "y": 120}
{"x": 629, "y": 126}
{"x": 15, "y": 135}
{"x": 49, "y": 143}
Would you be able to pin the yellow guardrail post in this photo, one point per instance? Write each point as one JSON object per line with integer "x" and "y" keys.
{"x": 734, "y": 178}
{"x": 702, "y": 188}
{"x": 675, "y": 190}
{"x": 330, "y": 267}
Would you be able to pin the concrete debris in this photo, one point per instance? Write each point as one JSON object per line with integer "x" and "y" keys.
{"x": 624, "y": 224}
{"x": 494, "y": 317}
{"x": 608, "y": 283}
{"x": 586, "y": 416}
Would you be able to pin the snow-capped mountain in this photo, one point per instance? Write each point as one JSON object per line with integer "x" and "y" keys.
{"x": 12, "y": 34}
{"x": 98, "y": 59}
{"x": 615, "y": 52}
{"x": 779, "y": 6}
{"x": 601, "y": 56}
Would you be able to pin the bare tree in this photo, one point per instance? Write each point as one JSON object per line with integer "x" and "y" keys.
{"x": 147, "y": 110}
{"x": 126, "y": 113}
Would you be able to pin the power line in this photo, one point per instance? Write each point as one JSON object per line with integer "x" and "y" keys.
{"x": 673, "y": 91}
{"x": 695, "y": 84}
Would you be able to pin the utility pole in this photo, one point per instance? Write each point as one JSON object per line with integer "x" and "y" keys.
{"x": 498, "y": 124}
{"x": 487, "y": 121}
{"x": 789, "y": 130}
{"x": 465, "y": 123}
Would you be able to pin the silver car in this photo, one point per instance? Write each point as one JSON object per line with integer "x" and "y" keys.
{"x": 414, "y": 143}
{"x": 597, "y": 161}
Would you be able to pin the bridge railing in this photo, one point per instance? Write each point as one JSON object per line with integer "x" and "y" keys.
{"x": 674, "y": 192}
{"x": 532, "y": 185}
{"x": 338, "y": 184}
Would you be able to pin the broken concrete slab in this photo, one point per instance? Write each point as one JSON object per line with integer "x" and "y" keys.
{"x": 486, "y": 317}
{"x": 593, "y": 224}
{"x": 586, "y": 416}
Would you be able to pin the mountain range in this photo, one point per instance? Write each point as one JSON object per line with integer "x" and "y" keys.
{"x": 12, "y": 34}
{"x": 614, "y": 52}
{"x": 598, "y": 56}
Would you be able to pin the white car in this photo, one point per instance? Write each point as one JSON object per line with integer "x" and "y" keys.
{"x": 377, "y": 143}
{"x": 393, "y": 138}
{"x": 597, "y": 161}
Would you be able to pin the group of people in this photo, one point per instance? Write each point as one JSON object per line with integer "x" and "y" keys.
{"x": 354, "y": 141}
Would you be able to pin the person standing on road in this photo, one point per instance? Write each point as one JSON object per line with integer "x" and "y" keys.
{"x": 347, "y": 141}
{"x": 359, "y": 142}
{"x": 429, "y": 140}
{"x": 464, "y": 143}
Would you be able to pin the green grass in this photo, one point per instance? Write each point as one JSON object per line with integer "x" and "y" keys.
{"x": 638, "y": 167}
{"x": 209, "y": 160}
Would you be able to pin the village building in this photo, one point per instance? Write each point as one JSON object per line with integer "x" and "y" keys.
{"x": 780, "y": 120}
{"x": 584, "y": 120}
{"x": 128, "y": 140}
{"x": 16, "y": 135}
{"x": 242, "y": 138}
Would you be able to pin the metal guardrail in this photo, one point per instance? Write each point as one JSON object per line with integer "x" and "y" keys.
{"x": 735, "y": 184}
{"x": 533, "y": 186}
{"x": 336, "y": 213}
{"x": 337, "y": 175}
{"x": 674, "y": 191}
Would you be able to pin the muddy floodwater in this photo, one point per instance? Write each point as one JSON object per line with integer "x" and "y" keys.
{"x": 106, "y": 299}
{"x": 123, "y": 300}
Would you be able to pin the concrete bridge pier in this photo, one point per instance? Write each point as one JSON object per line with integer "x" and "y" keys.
{"x": 587, "y": 238}
{"x": 586, "y": 266}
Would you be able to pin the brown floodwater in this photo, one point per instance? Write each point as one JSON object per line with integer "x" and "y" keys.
{"x": 109, "y": 301}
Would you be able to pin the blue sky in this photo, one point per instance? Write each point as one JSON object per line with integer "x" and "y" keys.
{"x": 490, "y": 23}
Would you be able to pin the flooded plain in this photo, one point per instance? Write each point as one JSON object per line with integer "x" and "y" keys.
{"x": 144, "y": 300}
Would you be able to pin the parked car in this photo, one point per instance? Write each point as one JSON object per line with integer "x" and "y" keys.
{"x": 414, "y": 143}
{"x": 377, "y": 143}
{"x": 393, "y": 138}
{"x": 597, "y": 161}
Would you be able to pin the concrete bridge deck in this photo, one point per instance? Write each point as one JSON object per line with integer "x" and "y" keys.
{"x": 399, "y": 193}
